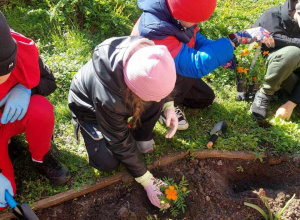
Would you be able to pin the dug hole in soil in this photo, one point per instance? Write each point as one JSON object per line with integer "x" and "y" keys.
{"x": 219, "y": 188}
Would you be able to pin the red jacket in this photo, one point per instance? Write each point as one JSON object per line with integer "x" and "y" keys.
{"x": 27, "y": 70}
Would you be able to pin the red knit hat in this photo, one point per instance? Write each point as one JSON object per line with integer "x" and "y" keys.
{"x": 193, "y": 11}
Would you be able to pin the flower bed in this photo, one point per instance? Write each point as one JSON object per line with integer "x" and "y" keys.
{"x": 219, "y": 188}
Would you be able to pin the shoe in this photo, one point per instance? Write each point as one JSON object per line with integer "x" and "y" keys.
{"x": 145, "y": 146}
{"x": 182, "y": 122}
{"x": 56, "y": 172}
{"x": 260, "y": 105}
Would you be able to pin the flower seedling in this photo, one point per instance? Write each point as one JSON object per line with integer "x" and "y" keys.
{"x": 174, "y": 195}
{"x": 250, "y": 70}
{"x": 251, "y": 64}
{"x": 271, "y": 216}
{"x": 258, "y": 155}
{"x": 240, "y": 169}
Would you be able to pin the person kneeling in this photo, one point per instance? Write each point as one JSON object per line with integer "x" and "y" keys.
{"x": 127, "y": 77}
{"x": 283, "y": 62}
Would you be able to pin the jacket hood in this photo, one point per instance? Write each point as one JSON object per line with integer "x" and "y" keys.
{"x": 27, "y": 70}
{"x": 158, "y": 23}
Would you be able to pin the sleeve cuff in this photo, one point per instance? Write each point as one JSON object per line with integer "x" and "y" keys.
{"x": 168, "y": 105}
{"x": 145, "y": 179}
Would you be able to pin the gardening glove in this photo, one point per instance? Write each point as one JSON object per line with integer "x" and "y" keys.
{"x": 4, "y": 185}
{"x": 16, "y": 103}
{"x": 285, "y": 111}
{"x": 152, "y": 187}
{"x": 171, "y": 118}
{"x": 249, "y": 36}
{"x": 231, "y": 64}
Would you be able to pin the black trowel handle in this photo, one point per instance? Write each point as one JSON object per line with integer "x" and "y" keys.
{"x": 22, "y": 212}
{"x": 212, "y": 140}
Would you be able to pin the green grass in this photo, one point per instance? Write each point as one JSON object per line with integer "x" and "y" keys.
{"x": 67, "y": 44}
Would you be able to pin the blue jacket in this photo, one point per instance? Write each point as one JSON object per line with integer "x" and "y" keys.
{"x": 194, "y": 55}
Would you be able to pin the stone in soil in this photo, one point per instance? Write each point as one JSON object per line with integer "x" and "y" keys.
{"x": 192, "y": 171}
{"x": 125, "y": 214}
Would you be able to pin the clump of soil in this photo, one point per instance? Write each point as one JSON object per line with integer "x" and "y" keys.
{"x": 219, "y": 188}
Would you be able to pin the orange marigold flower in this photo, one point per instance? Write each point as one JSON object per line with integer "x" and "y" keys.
{"x": 242, "y": 53}
{"x": 246, "y": 70}
{"x": 240, "y": 69}
{"x": 246, "y": 52}
{"x": 265, "y": 53}
{"x": 256, "y": 45}
{"x": 254, "y": 78}
{"x": 171, "y": 193}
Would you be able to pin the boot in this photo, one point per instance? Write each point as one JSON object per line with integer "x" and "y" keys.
{"x": 260, "y": 105}
{"x": 56, "y": 172}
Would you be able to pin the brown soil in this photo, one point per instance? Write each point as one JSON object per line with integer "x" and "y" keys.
{"x": 218, "y": 191}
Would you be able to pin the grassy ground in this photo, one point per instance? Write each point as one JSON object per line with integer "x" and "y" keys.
{"x": 66, "y": 32}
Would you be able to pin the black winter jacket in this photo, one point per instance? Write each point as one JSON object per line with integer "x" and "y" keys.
{"x": 278, "y": 21}
{"x": 98, "y": 93}
{"x": 286, "y": 32}
{"x": 47, "y": 83}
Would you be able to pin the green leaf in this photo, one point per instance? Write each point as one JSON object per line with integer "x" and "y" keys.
{"x": 285, "y": 207}
{"x": 258, "y": 209}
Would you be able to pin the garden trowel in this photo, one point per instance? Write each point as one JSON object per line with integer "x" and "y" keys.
{"x": 218, "y": 129}
{"x": 22, "y": 212}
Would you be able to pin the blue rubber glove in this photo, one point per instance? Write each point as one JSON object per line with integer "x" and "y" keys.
{"x": 258, "y": 34}
{"x": 16, "y": 103}
{"x": 4, "y": 185}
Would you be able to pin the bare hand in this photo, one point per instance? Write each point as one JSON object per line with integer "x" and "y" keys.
{"x": 285, "y": 111}
{"x": 171, "y": 121}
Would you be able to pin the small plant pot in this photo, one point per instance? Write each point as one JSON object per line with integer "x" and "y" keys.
{"x": 241, "y": 85}
{"x": 242, "y": 88}
{"x": 256, "y": 87}
{"x": 252, "y": 89}
{"x": 246, "y": 91}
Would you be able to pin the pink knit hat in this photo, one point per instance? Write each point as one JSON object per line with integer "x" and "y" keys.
{"x": 150, "y": 73}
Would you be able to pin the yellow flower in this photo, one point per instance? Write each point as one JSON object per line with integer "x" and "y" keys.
{"x": 246, "y": 52}
{"x": 256, "y": 45}
{"x": 266, "y": 53}
{"x": 184, "y": 189}
{"x": 171, "y": 193}
{"x": 240, "y": 69}
{"x": 262, "y": 68}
